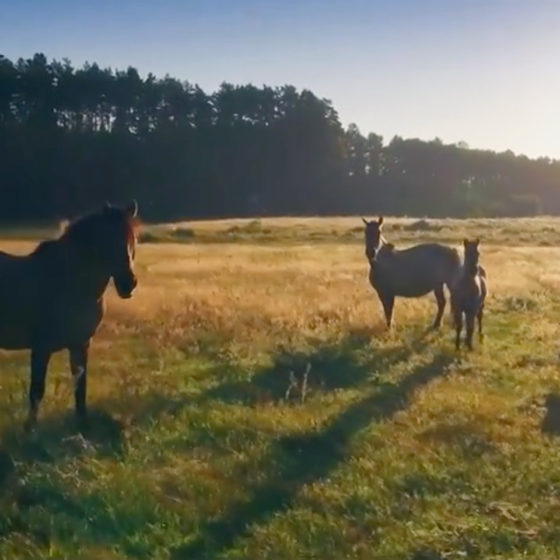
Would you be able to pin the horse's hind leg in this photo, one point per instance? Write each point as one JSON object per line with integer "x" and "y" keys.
{"x": 39, "y": 364}
{"x": 78, "y": 366}
{"x": 440, "y": 298}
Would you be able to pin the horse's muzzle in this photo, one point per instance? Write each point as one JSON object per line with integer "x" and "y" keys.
{"x": 125, "y": 287}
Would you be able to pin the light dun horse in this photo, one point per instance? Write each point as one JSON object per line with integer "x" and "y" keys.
{"x": 411, "y": 272}
{"x": 468, "y": 294}
{"x": 52, "y": 299}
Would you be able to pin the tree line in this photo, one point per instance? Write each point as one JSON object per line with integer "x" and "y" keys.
{"x": 71, "y": 138}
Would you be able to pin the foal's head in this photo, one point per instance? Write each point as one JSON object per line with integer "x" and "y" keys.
{"x": 472, "y": 255}
{"x": 110, "y": 237}
{"x": 373, "y": 236}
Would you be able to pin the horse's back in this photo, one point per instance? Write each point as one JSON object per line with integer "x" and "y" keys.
{"x": 417, "y": 270}
{"x": 431, "y": 251}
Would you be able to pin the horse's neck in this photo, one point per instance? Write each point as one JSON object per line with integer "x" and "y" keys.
{"x": 385, "y": 249}
{"x": 377, "y": 264}
{"x": 81, "y": 274}
{"x": 471, "y": 269}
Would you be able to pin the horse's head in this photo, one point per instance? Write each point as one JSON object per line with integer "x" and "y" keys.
{"x": 472, "y": 255}
{"x": 110, "y": 238}
{"x": 373, "y": 236}
{"x": 120, "y": 246}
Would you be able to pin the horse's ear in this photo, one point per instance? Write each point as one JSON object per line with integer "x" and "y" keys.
{"x": 132, "y": 209}
{"x": 477, "y": 241}
{"x": 380, "y": 221}
{"x": 365, "y": 221}
{"x": 465, "y": 242}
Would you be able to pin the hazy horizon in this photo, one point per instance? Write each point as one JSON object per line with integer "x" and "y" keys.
{"x": 484, "y": 73}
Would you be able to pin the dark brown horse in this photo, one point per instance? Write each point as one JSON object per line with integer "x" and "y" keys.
{"x": 411, "y": 273}
{"x": 468, "y": 294}
{"x": 52, "y": 299}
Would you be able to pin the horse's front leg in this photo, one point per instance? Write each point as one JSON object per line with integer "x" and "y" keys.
{"x": 388, "y": 302}
{"x": 78, "y": 366}
{"x": 39, "y": 364}
{"x": 458, "y": 320}
{"x": 440, "y": 298}
{"x": 470, "y": 317}
{"x": 480, "y": 316}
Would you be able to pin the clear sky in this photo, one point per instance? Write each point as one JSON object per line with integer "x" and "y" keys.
{"x": 486, "y": 72}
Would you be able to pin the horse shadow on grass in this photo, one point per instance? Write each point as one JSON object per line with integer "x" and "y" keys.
{"x": 58, "y": 438}
{"x": 306, "y": 459}
{"x": 551, "y": 421}
{"x": 350, "y": 362}
{"x": 61, "y": 436}
{"x": 294, "y": 376}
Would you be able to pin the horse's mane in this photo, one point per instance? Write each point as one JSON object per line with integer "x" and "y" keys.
{"x": 44, "y": 247}
{"x": 84, "y": 228}
{"x": 387, "y": 246}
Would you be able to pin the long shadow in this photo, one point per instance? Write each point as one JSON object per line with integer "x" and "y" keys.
{"x": 306, "y": 459}
{"x": 60, "y": 437}
{"x": 328, "y": 367}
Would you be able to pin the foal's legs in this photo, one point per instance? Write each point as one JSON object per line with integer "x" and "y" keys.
{"x": 78, "y": 366}
{"x": 39, "y": 364}
{"x": 388, "y": 301}
{"x": 458, "y": 320}
{"x": 440, "y": 298}
{"x": 480, "y": 315}
{"x": 470, "y": 316}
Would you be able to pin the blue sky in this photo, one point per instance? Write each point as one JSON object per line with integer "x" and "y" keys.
{"x": 484, "y": 72}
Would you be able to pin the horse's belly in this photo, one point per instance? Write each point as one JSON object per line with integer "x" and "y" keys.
{"x": 403, "y": 289}
{"x": 414, "y": 291}
{"x": 15, "y": 322}
{"x": 15, "y": 337}
{"x": 73, "y": 324}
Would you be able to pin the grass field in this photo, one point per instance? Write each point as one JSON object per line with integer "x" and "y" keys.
{"x": 248, "y": 404}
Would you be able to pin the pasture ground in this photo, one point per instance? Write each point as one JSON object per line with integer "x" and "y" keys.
{"x": 248, "y": 404}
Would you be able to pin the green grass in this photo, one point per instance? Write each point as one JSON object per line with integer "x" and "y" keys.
{"x": 247, "y": 403}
